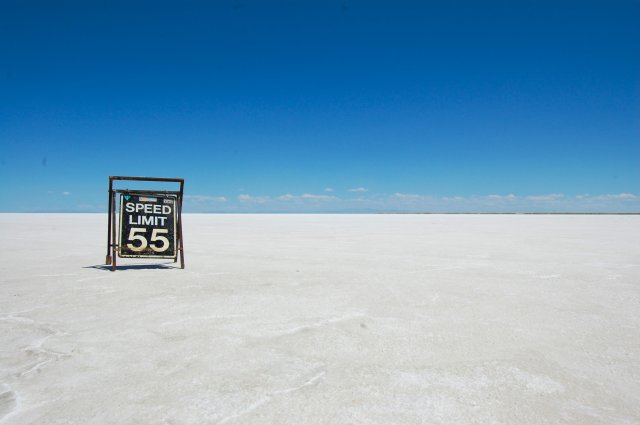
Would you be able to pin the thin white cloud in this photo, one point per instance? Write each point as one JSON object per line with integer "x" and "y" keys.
{"x": 328, "y": 189}
{"x": 622, "y": 196}
{"x": 205, "y": 198}
{"x": 305, "y": 197}
{"x": 509, "y": 197}
{"x": 609, "y": 197}
{"x": 253, "y": 199}
{"x": 409, "y": 196}
{"x": 317, "y": 197}
{"x": 359, "y": 189}
{"x": 545, "y": 198}
{"x": 66, "y": 193}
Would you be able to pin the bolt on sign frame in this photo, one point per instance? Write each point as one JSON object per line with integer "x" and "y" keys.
{"x": 113, "y": 249}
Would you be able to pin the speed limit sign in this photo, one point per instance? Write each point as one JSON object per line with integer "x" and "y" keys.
{"x": 147, "y": 226}
{"x": 150, "y": 221}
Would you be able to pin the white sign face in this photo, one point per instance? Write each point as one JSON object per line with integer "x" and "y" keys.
{"x": 147, "y": 226}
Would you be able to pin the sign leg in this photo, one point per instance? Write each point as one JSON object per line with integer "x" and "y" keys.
{"x": 108, "y": 259}
{"x": 180, "y": 235}
{"x": 113, "y": 232}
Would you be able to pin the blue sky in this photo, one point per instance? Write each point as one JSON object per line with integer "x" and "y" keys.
{"x": 323, "y": 106}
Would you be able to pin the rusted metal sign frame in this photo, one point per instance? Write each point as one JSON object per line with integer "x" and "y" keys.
{"x": 112, "y": 241}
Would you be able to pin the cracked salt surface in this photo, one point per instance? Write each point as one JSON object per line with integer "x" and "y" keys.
{"x": 325, "y": 319}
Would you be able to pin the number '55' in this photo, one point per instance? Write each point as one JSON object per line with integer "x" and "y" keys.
{"x": 143, "y": 241}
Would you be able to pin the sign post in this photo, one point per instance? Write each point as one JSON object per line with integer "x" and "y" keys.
{"x": 150, "y": 222}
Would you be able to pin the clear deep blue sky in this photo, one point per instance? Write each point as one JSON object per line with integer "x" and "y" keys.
{"x": 323, "y": 105}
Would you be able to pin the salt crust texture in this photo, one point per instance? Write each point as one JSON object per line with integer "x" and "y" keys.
{"x": 325, "y": 319}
